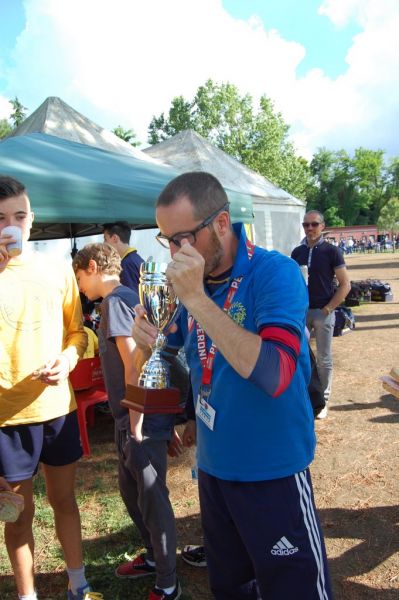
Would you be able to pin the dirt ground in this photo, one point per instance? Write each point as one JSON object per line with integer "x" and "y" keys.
{"x": 355, "y": 472}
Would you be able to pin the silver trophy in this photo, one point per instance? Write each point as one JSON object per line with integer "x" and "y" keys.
{"x": 162, "y": 305}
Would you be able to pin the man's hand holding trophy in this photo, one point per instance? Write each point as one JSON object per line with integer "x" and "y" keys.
{"x": 153, "y": 393}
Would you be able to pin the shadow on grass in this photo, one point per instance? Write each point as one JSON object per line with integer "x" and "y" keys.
{"x": 376, "y": 532}
{"x": 373, "y": 532}
{"x": 369, "y": 265}
{"x": 386, "y": 401}
{"x": 371, "y": 318}
{"x": 105, "y": 553}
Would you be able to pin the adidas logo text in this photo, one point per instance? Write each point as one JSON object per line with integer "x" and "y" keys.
{"x": 283, "y": 548}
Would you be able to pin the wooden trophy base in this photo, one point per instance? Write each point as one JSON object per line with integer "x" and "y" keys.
{"x": 151, "y": 401}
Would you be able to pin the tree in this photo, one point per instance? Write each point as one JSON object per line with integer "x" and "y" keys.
{"x": 256, "y": 137}
{"x": 358, "y": 186}
{"x": 393, "y": 178}
{"x": 371, "y": 180}
{"x": 389, "y": 216}
{"x": 5, "y": 128}
{"x": 331, "y": 217}
{"x": 127, "y": 135}
{"x": 18, "y": 115}
{"x": 333, "y": 186}
{"x": 180, "y": 118}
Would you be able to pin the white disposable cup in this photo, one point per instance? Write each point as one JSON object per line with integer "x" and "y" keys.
{"x": 15, "y": 248}
{"x": 305, "y": 272}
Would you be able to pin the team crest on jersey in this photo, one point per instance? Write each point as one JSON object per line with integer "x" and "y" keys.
{"x": 237, "y": 312}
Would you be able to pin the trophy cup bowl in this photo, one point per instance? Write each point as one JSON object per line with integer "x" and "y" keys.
{"x": 153, "y": 393}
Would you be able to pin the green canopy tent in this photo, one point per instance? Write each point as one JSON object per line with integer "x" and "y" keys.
{"x": 74, "y": 188}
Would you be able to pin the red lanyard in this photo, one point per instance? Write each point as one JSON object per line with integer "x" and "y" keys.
{"x": 208, "y": 358}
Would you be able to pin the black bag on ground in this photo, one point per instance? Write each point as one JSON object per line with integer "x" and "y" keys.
{"x": 380, "y": 291}
{"x": 315, "y": 389}
{"x": 344, "y": 321}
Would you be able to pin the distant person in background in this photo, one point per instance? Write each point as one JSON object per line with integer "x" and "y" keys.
{"x": 117, "y": 235}
{"x": 324, "y": 262}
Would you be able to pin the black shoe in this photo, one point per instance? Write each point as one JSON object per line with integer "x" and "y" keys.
{"x": 194, "y": 556}
{"x": 157, "y": 594}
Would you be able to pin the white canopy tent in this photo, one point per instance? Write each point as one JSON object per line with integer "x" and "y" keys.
{"x": 56, "y": 117}
{"x": 278, "y": 214}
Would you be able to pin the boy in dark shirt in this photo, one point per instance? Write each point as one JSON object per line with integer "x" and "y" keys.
{"x": 142, "y": 464}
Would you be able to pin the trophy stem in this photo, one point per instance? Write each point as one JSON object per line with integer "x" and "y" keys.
{"x": 155, "y": 372}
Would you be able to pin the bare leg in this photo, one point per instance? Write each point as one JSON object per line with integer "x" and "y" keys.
{"x": 19, "y": 540}
{"x": 60, "y": 484}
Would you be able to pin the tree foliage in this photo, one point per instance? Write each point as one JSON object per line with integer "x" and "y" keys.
{"x": 19, "y": 112}
{"x": 127, "y": 135}
{"x": 5, "y": 128}
{"x": 389, "y": 216}
{"x": 258, "y": 137}
{"x": 356, "y": 187}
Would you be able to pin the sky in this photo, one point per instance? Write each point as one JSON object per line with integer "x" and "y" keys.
{"x": 331, "y": 67}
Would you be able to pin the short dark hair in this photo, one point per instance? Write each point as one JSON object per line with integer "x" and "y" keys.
{"x": 316, "y": 212}
{"x": 121, "y": 228}
{"x": 10, "y": 187}
{"x": 202, "y": 189}
{"x": 106, "y": 257}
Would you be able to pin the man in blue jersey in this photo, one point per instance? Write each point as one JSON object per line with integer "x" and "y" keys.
{"x": 243, "y": 334}
{"x": 324, "y": 262}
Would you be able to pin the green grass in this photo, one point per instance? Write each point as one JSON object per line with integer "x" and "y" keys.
{"x": 107, "y": 530}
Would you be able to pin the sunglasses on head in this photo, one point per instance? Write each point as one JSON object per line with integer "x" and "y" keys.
{"x": 311, "y": 224}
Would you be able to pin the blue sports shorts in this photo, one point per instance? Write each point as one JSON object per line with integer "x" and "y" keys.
{"x": 23, "y": 447}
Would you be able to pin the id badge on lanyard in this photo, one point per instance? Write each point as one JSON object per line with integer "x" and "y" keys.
{"x": 204, "y": 410}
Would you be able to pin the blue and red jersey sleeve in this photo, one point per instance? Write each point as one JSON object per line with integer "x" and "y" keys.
{"x": 277, "y": 359}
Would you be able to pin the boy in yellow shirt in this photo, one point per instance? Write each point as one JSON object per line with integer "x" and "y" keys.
{"x": 41, "y": 340}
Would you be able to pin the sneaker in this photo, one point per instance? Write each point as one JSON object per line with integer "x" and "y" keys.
{"x": 84, "y": 593}
{"x": 194, "y": 556}
{"x": 136, "y": 568}
{"x": 157, "y": 594}
{"x": 323, "y": 413}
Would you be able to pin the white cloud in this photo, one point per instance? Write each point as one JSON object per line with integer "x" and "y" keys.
{"x": 122, "y": 62}
{"x": 5, "y": 108}
{"x": 340, "y": 12}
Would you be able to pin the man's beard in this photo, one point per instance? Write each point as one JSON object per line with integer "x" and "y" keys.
{"x": 214, "y": 254}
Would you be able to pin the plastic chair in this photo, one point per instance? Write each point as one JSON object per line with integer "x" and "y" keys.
{"x": 88, "y": 384}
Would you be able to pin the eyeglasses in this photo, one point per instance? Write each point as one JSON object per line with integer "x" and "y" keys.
{"x": 311, "y": 224}
{"x": 190, "y": 236}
